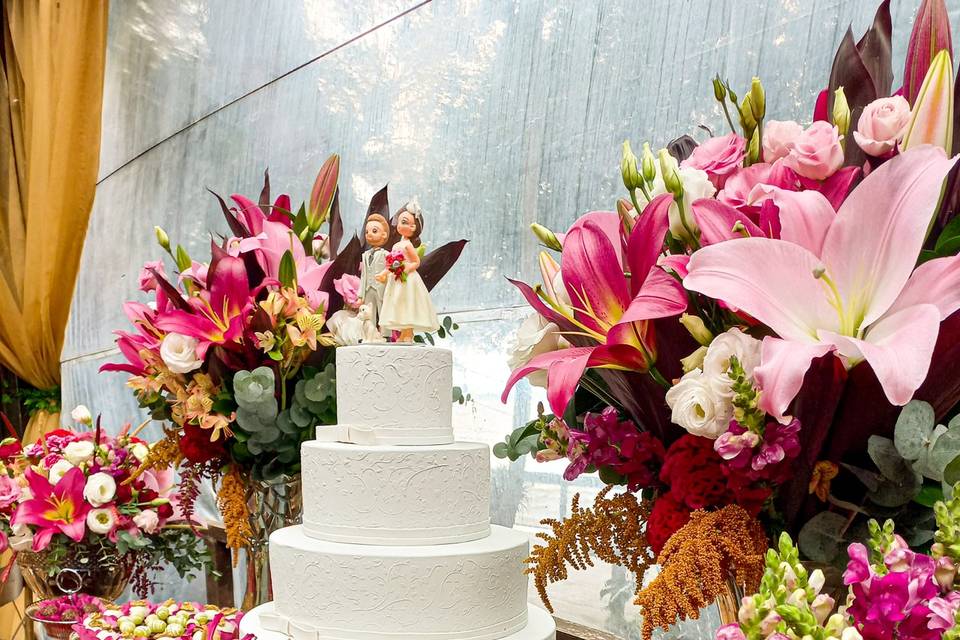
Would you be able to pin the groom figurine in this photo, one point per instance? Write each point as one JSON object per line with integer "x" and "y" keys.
{"x": 376, "y": 232}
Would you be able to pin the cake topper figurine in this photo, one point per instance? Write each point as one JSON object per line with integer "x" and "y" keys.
{"x": 406, "y": 305}
{"x": 376, "y": 232}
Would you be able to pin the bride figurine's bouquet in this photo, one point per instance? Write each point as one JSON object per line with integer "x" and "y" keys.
{"x": 749, "y": 327}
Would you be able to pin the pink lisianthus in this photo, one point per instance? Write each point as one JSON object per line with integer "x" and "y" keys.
{"x": 147, "y": 279}
{"x": 882, "y": 125}
{"x": 778, "y": 136}
{"x": 816, "y": 153}
{"x": 9, "y": 491}
{"x": 719, "y": 157}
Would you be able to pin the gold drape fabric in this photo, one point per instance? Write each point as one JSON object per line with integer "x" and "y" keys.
{"x": 52, "y": 86}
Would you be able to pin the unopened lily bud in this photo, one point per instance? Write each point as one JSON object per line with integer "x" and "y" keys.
{"x": 719, "y": 91}
{"x": 547, "y": 237}
{"x": 668, "y": 169}
{"x": 625, "y": 211}
{"x": 162, "y": 238}
{"x": 648, "y": 164}
{"x": 841, "y": 111}
{"x": 758, "y": 99}
{"x": 697, "y": 328}
{"x": 628, "y": 168}
{"x": 747, "y": 118}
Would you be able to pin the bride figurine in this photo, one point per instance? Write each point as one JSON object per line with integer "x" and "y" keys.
{"x": 406, "y": 305}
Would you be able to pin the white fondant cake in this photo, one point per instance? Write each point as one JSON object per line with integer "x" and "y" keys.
{"x": 400, "y": 393}
{"x": 396, "y": 542}
{"x": 374, "y": 494}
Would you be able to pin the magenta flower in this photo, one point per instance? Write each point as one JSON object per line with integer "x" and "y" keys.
{"x": 858, "y": 567}
{"x": 54, "y": 509}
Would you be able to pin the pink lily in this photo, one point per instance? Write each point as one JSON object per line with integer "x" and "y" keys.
{"x": 54, "y": 509}
{"x": 845, "y": 284}
{"x": 218, "y": 313}
{"x": 606, "y": 306}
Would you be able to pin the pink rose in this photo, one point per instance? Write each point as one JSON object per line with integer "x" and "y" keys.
{"x": 148, "y": 281}
{"x": 719, "y": 157}
{"x": 882, "y": 125}
{"x": 9, "y": 491}
{"x": 349, "y": 288}
{"x": 816, "y": 153}
{"x": 778, "y": 135}
{"x": 147, "y": 521}
{"x": 739, "y": 187}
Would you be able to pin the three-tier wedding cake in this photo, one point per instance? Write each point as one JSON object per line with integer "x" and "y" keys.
{"x": 396, "y": 541}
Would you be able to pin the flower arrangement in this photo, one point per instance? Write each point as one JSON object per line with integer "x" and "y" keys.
{"x": 893, "y": 591}
{"x": 178, "y": 620}
{"x": 395, "y": 265}
{"x": 87, "y": 490}
{"x": 768, "y": 320}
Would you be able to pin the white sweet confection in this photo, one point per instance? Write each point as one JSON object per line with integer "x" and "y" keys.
{"x": 374, "y": 494}
{"x": 396, "y": 542}
{"x": 394, "y": 394}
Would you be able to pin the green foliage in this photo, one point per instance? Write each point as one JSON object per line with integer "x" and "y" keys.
{"x": 287, "y": 272}
{"x": 447, "y": 327}
{"x": 459, "y": 397}
{"x": 32, "y": 399}
{"x": 528, "y": 439}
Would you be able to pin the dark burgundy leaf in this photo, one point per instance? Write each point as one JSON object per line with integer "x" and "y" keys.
{"x": 336, "y": 226}
{"x": 681, "y": 147}
{"x": 346, "y": 263}
{"x": 172, "y": 293}
{"x": 438, "y": 262}
{"x": 850, "y": 72}
{"x": 815, "y": 408}
{"x": 265, "y": 192}
{"x": 874, "y": 48}
{"x": 236, "y": 227}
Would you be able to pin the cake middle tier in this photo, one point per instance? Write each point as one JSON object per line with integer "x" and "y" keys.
{"x": 396, "y": 495}
{"x": 474, "y": 590}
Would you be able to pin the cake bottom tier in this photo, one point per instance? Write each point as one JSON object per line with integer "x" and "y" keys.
{"x": 324, "y": 589}
{"x": 540, "y": 626}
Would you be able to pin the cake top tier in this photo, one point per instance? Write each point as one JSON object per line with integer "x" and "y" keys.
{"x": 403, "y": 391}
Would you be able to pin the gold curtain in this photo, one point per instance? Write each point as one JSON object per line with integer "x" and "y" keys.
{"x": 52, "y": 86}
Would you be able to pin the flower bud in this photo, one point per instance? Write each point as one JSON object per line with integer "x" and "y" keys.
{"x": 624, "y": 210}
{"x": 628, "y": 168}
{"x": 547, "y": 237}
{"x": 851, "y": 633}
{"x": 816, "y": 580}
{"x": 769, "y": 624}
{"x": 162, "y": 238}
{"x": 668, "y": 169}
{"x": 931, "y": 121}
{"x": 697, "y": 328}
{"x": 758, "y": 99}
{"x": 648, "y": 164}
{"x": 841, "y": 111}
{"x": 822, "y": 606}
{"x": 694, "y": 360}
{"x": 81, "y": 414}
{"x": 719, "y": 91}
{"x": 753, "y": 148}
{"x": 747, "y": 118}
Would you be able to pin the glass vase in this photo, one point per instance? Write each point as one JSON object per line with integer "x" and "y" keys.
{"x": 96, "y": 571}
{"x": 272, "y": 505}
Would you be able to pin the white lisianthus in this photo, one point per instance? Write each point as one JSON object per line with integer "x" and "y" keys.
{"x": 179, "y": 353}
{"x": 100, "y": 489}
{"x": 140, "y": 451}
{"x": 81, "y": 414}
{"x": 732, "y": 343}
{"x": 101, "y": 521}
{"x": 696, "y": 185}
{"x": 58, "y": 470}
{"x": 79, "y": 452}
{"x": 696, "y": 407}
{"x": 534, "y": 337}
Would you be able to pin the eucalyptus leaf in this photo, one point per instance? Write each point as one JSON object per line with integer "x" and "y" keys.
{"x": 870, "y": 479}
{"x": 821, "y": 539}
{"x": 929, "y": 495}
{"x": 888, "y": 459}
{"x": 892, "y": 493}
{"x": 501, "y": 450}
{"x": 913, "y": 428}
{"x": 942, "y": 453}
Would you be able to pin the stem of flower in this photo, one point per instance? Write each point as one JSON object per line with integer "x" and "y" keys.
{"x": 658, "y": 377}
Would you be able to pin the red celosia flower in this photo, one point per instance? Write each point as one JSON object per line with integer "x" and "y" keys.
{"x": 196, "y": 445}
{"x": 668, "y": 515}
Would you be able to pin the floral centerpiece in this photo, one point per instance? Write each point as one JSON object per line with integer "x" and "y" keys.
{"x": 749, "y": 327}
{"x": 236, "y": 356}
{"x": 83, "y": 515}
{"x": 145, "y": 621}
